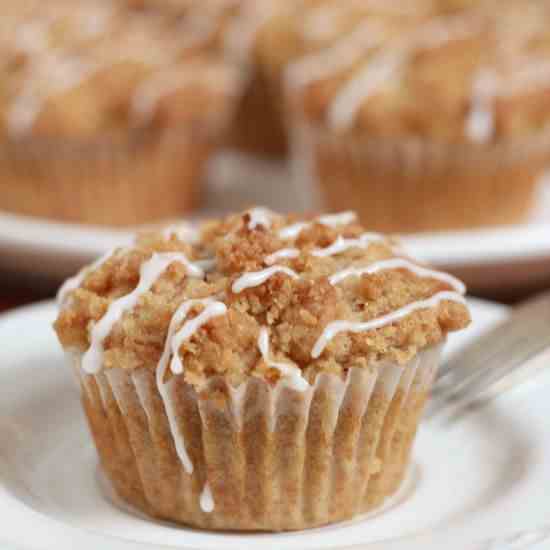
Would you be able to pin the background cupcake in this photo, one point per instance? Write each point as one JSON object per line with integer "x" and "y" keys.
{"x": 108, "y": 114}
{"x": 280, "y": 32}
{"x": 268, "y": 373}
{"x": 443, "y": 128}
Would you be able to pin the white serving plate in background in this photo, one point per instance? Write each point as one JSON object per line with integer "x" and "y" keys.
{"x": 36, "y": 246}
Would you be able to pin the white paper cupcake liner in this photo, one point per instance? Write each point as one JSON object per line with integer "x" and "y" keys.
{"x": 263, "y": 457}
{"x": 413, "y": 185}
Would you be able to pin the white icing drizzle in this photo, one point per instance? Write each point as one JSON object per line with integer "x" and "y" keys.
{"x": 398, "y": 263}
{"x": 290, "y": 372}
{"x": 344, "y": 53}
{"x": 147, "y": 96}
{"x": 335, "y": 220}
{"x": 32, "y": 36}
{"x": 368, "y": 81}
{"x": 336, "y": 327}
{"x": 480, "y": 122}
{"x": 256, "y": 278}
{"x": 531, "y": 75}
{"x": 173, "y": 342}
{"x": 207, "y": 500}
{"x": 319, "y": 25}
{"x": 149, "y": 273}
{"x": 322, "y": 23}
{"x": 240, "y": 39}
{"x": 341, "y": 244}
{"x": 56, "y": 68}
{"x": 55, "y": 75}
{"x": 94, "y": 24}
{"x": 348, "y": 102}
{"x": 260, "y": 217}
{"x": 292, "y": 231}
{"x": 281, "y": 254}
{"x": 74, "y": 282}
{"x": 184, "y": 232}
{"x": 207, "y": 265}
{"x": 212, "y": 309}
{"x": 330, "y": 220}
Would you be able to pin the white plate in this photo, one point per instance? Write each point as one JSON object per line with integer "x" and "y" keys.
{"x": 235, "y": 182}
{"x": 482, "y": 477}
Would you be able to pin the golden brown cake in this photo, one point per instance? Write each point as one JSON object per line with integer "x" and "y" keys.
{"x": 108, "y": 113}
{"x": 443, "y": 127}
{"x": 260, "y": 373}
{"x": 278, "y": 32}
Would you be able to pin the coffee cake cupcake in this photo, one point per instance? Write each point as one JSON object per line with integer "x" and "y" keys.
{"x": 274, "y": 33}
{"x": 264, "y": 373}
{"x": 445, "y": 127}
{"x": 107, "y": 113}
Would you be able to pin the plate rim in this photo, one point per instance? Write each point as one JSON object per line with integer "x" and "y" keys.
{"x": 493, "y": 246}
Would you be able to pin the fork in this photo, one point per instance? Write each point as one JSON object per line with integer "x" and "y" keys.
{"x": 518, "y": 344}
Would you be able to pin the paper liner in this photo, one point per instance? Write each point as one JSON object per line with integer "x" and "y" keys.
{"x": 145, "y": 178}
{"x": 415, "y": 185}
{"x": 145, "y": 174}
{"x": 272, "y": 458}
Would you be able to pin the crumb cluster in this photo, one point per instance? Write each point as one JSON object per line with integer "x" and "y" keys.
{"x": 102, "y": 68}
{"x": 295, "y": 309}
{"x": 464, "y": 60}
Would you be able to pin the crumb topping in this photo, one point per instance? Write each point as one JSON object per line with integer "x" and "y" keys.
{"x": 80, "y": 69}
{"x": 230, "y": 300}
{"x": 383, "y": 68}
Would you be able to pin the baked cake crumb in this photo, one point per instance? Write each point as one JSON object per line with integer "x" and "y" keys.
{"x": 324, "y": 273}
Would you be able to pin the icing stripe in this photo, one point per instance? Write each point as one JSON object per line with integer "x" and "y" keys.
{"x": 341, "y": 55}
{"x": 398, "y": 263}
{"x": 207, "y": 500}
{"x": 336, "y": 327}
{"x": 256, "y": 278}
{"x": 329, "y": 220}
{"x": 212, "y": 309}
{"x": 149, "y": 273}
{"x": 291, "y": 373}
{"x": 281, "y": 254}
{"x": 260, "y": 217}
{"x": 341, "y": 244}
{"x": 184, "y": 232}
{"x": 348, "y": 102}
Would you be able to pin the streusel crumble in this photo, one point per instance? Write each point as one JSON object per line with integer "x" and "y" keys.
{"x": 278, "y": 339}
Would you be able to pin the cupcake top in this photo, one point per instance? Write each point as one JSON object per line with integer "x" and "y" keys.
{"x": 483, "y": 67}
{"x": 257, "y": 294}
{"x": 285, "y": 31}
{"x": 96, "y": 68}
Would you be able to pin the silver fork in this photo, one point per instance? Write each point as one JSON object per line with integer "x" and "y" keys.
{"x": 518, "y": 344}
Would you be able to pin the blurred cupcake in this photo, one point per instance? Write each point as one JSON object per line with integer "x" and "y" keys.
{"x": 267, "y": 373}
{"x": 107, "y": 114}
{"x": 444, "y": 127}
{"x": 274, "y": 33}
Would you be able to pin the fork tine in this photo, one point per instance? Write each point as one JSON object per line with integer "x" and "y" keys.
{"x": 493, "y": 355}
{"x": 480, "y": 352}
{"x": 478, "y": 382}
{"x": 492, "y": 358}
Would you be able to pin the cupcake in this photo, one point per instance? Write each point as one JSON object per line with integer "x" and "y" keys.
{"x": 264, "y": 373}
{"x": 444, "y": 127}
{"x": 271, "y": 34}
{"x": 108, "y": 114}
